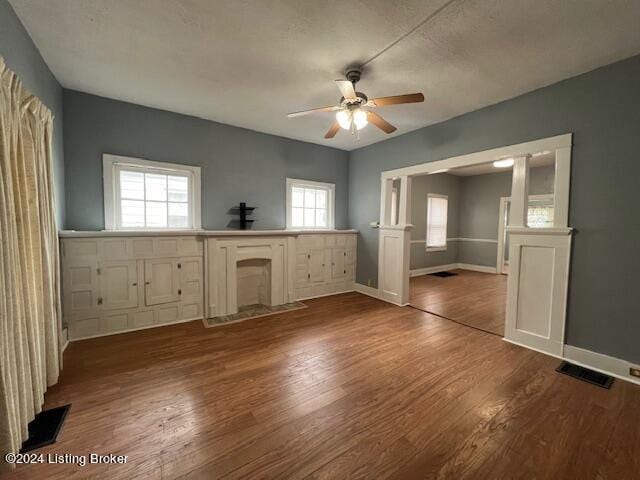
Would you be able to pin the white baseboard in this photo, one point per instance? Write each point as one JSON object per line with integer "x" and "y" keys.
{"x": 366, "y": 290}
{"x": 451, "y": 266}
{"x": 435, "y": 269}
{"x": 477, "y": 268}
{"x": 615, "y": 367}
{"x": 64, "y": 340}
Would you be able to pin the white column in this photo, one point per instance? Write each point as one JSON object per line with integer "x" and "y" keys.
{"x": 385, "y": 201}
{"x": 404, "y": 213}
{"x": 519, "y": 192}
{"x": 561, "y": 187}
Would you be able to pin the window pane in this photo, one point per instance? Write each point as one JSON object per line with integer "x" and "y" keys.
{"x": 297, "y": 197}
{"x": 309, "y": 217}
{"x": 132, "y": 213}
{"x": 178, "y": 215}
{"x": 297, "y": 217}
{"x": 131, "y": 185}
{"x": 156, "y": 214}
{"x": 321, "y": 218}
{"x": 309, "y": 198}
{"x": 156, "y": 186}
{"x": 437, "y": 221}
{"x": 178, "y": 189}
{"x": 321, "y": 199}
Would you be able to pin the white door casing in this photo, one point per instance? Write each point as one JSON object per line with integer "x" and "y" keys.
{"x": 538, "y": 328}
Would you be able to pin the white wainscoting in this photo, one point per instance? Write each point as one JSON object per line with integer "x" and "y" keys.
{"x": 537, "y": 289}
{"x": 394, "y": 274}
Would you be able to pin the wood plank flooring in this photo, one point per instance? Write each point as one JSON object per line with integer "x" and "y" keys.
{"x": 350, "y": 387}
{"x": 475, "y": 299}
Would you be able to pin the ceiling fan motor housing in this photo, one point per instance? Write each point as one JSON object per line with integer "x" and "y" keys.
{"x": 353, "y": 75}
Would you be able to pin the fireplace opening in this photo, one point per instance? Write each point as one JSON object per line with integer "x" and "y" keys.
{"x": 253, "y": 283}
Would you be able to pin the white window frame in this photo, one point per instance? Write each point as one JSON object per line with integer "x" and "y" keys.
{"x": 331, "y": 190}
{"x": 112, "y": 164}
{"x": 438, "y": 248}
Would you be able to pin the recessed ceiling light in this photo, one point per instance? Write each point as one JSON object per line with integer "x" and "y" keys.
{"x": 507, "y": 162}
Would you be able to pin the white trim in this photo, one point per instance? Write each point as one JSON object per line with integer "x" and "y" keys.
{"x": 613, "y": 366}
{"x": 367, "y": 290}
{"x": 331, "y": 208}
{"x": 540, "y": 231}
{"x": 65, "y": 340}
{"x": 198, "y": 233}
{"x": 301, "y": 299}
{"x": 486, "y": 156}
{"x": 435, "y": 269}
{"x": 460, "y": 239}
{"x": 128, "y": 330}
{"x": 110, "y": 184}
{"x": 436, "y": 248}
{"x": 451, "y": 266}
{"x": 477, "y": 268}
{"x": 551, "y": 354}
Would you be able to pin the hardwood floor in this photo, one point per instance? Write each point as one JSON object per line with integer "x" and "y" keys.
{"x": 475, "y": 299}
{"x": 350, "y": 387}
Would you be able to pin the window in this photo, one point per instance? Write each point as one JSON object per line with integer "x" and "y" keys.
{"x": 437, "y": 222}
{"x": 146, "y": 195}
{"x": 310, "y": 204}
{"x": 540, "y": 213}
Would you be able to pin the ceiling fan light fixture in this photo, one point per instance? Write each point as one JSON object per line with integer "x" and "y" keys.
{"x": 344, "y": 119}
{"x": 360, "y": 118}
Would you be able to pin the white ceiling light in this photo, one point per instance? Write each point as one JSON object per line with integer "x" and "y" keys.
{"x": 506, "y": 163}
{"x": 344, "y": 119}
{"x": 357, "y": 117}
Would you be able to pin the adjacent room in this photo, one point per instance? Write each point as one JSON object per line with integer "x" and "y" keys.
{"x": 319, "y": 240}
{"x": 459, "y": 258}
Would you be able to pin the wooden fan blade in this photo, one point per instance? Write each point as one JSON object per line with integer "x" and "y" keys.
{"x": 397, "y": 99}
{"x": 315, "y": 110}
{"x": 346, "y": 88}
{"x": 380, "y": 122}
{"x": 335, "y": 126}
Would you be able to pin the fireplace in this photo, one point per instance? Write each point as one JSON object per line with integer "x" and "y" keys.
{"x": 253, "y": 279}
{"x": 249, "y": 270}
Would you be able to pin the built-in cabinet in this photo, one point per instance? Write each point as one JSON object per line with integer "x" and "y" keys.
{"x": 325, "y": 264}
{"x": 113, "y": 283}
{"x": 117, "y": 284}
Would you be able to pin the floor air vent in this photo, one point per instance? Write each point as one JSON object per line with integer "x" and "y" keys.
{"x": 444, "y": 274}
{"x": 581, "y": 373}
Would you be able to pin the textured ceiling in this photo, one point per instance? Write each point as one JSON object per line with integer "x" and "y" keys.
{"x": 248, "y": 63}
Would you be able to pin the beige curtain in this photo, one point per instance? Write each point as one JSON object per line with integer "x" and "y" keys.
{"x": 29, "y": 261}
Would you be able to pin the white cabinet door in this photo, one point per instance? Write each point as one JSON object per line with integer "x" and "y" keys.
{"x": 316, "y": 259}
{"x": 80, "y": 287}
{"x": 190, "y": 278}
{"x": 118, "y": 285}
{"x": 339, "y": 263}
{"x": 161, "y": 282}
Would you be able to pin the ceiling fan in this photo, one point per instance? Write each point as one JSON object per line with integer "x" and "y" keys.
{"x": 350, "y": 113}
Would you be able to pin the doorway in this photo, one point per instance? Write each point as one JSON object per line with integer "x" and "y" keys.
{"x": 537, "y": 259}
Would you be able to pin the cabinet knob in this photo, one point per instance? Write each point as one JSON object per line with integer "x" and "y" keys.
{"x": 134, "y": 284}
{"x": 99, "y": 301}
{"x": 147, "y": 283}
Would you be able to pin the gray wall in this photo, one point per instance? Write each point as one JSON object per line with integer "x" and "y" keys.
{"x": 22, "y": 56}
{"x": 480, "y": 210}
{"x": 601, "y": 109}
{"x": 237, "y": 164}
{"x": 442, "y": 184}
